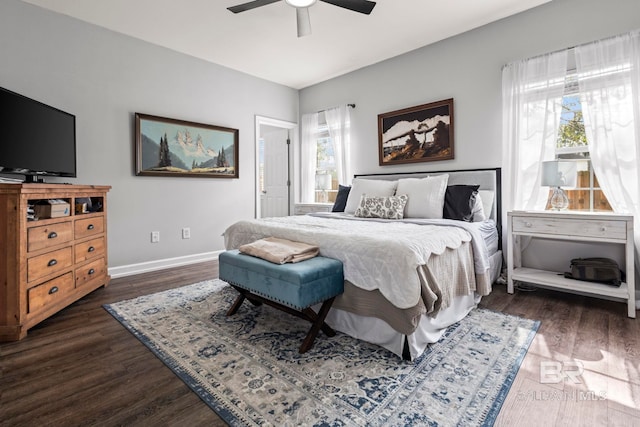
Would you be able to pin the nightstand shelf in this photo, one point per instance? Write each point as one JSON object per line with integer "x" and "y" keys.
{"x": 577, "y": 227}
{"x": 557, "y": 280}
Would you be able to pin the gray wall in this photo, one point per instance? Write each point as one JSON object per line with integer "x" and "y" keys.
{"x": 103, "y": 78}
{"x": 467, "y": 68}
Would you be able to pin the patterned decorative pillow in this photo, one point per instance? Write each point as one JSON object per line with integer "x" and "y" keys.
{"x": 391, "y": 207}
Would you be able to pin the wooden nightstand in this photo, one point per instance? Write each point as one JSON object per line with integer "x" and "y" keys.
{"x": 572, "y": 226}
{"x": 305, "y": 208}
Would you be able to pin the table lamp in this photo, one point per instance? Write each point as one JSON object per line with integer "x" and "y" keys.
{"x": 558, "y": 173}
{"x": 323, "y": 183}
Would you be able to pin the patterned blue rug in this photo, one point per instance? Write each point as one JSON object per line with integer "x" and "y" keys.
{"x": 247, "y": 367}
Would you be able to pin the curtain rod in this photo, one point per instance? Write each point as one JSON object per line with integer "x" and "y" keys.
{"x": 574, "y": 46}
{"x": 348, "y": 105}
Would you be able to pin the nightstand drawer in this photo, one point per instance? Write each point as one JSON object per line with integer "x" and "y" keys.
{"x": 305, "y": 208}
{"x": 611, "y": 229}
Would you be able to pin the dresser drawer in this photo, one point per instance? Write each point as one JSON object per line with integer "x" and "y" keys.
{"x": 90, "y": 249}
{"x": 89, "y": 227}
{"x": 49, "y": 292}
{"x": 88, "y": 273}
{"x": 48, "y": 235}
{"x": 49, "y": 263}
{"x": 610, "y": 229}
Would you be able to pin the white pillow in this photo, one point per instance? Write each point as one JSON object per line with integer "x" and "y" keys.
{"x": 370, "y": 187}
{"x": 426, "y": 196}
{"x": 483, "y": 206}
{"x": 478, "y": 210}
{"x": 487, "y": 201}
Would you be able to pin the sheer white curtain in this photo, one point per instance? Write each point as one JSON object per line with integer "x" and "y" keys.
{"x": 532, "y": 92}
{"x": 339, "y": 124}
{"x": 308, "y": 157}
{"x": 609, "y": 82}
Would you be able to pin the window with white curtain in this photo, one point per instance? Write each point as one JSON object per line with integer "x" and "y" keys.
{"x": 608, "y": 81}
{"x": 326, "y": 178}
{"x": 572, "y": 145}
{"x": 325, "y": 157}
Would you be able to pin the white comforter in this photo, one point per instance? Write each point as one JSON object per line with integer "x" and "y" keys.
{"x": 376, "y": 254}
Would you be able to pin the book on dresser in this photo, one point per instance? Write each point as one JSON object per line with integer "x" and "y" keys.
{"x": 54, "y": 250}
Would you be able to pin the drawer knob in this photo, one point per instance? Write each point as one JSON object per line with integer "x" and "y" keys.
{"x": 90, "y": 227}
{"x": 53, "y": 290}
{"x": 528, "y": 224}
{"x": 91, "y": 271}
{"x": 52, "y": 263}
{"x": 52, "y": 235}
{"x": 91, "y": 249}
{"x": 603, "y": 228}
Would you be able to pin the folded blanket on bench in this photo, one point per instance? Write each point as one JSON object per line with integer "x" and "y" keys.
{"x": 279, "y": 251}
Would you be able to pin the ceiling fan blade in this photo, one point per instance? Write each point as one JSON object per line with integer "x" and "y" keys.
{"x": 303, "y": 20}
{"x": 250, "y": 5}
{"x": 362, "y": 6}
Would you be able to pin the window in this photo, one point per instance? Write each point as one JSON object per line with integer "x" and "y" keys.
{"x": 572, "y": 144}
{"x": 325, "y": 154}
{"x": 326, "y": 180}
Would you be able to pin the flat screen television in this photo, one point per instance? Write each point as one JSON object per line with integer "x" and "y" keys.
{"x": 38, "y": 140}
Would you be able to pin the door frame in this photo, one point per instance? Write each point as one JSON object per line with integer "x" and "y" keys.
{"x": 292, "y": 127}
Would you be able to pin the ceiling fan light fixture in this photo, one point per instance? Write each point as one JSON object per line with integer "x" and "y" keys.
{"x": 300, "y": 3}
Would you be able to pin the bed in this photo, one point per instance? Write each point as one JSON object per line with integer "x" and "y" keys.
{"x": 419, "y": 251}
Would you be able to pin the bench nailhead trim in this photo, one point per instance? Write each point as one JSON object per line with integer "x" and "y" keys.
{"x": 269, "y": 297}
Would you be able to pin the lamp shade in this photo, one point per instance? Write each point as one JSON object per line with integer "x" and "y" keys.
{"x": 323, "y": 181}
{"x": 558, "y": 173}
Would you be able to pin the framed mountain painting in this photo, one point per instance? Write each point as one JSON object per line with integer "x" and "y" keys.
{"x": 170, "y": 147}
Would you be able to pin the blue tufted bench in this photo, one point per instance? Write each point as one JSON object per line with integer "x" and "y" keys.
{"x": 293, "y": 288}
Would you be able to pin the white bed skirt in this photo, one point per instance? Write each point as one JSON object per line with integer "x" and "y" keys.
{"x": 430, "y": 329}
{"x": 378, "y": 332}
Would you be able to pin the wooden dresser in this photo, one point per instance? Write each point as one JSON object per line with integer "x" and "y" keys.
{"x": 48, "y": 263}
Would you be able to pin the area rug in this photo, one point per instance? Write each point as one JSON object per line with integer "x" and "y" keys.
{"x": 247, "y": 368}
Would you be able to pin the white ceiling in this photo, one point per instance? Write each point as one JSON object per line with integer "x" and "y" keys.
{"x": 263, "y": 42}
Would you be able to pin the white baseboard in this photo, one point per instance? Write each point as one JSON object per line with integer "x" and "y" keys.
{"x": 161, "y": 264}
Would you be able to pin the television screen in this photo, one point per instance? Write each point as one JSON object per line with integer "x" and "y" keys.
{"x": 38, "y": 140}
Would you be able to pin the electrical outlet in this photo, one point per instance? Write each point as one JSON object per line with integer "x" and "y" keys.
{"x": 155, "y": 236}
{"x": 186, "y": 233}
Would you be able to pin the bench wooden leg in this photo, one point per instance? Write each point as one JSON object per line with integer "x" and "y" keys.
{"x": 318, "y": 323}
{"x": 236, "y": 305}
{"x": 244, "y": 294}
{"x": 317, "y": 320}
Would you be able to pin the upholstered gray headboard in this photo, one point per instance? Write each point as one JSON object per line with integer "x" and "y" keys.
{"x": 488, "y": 179}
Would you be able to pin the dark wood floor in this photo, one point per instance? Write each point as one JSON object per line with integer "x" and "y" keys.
{"x": 81, "y": 367}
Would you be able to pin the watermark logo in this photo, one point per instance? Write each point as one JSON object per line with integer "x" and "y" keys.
{"x": 552, "y": 372}
{"x": 568, "y": 372}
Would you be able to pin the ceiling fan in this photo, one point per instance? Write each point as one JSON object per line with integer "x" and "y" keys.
{"x": 302, "y": 9}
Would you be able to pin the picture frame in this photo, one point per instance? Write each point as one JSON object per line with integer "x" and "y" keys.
{"x": 181, "y": 148}
{"x": 423, "y": 133}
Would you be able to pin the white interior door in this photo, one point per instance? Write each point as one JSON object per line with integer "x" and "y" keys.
{"x": 274, "y": 166}
{"x": 275, "y": 193}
